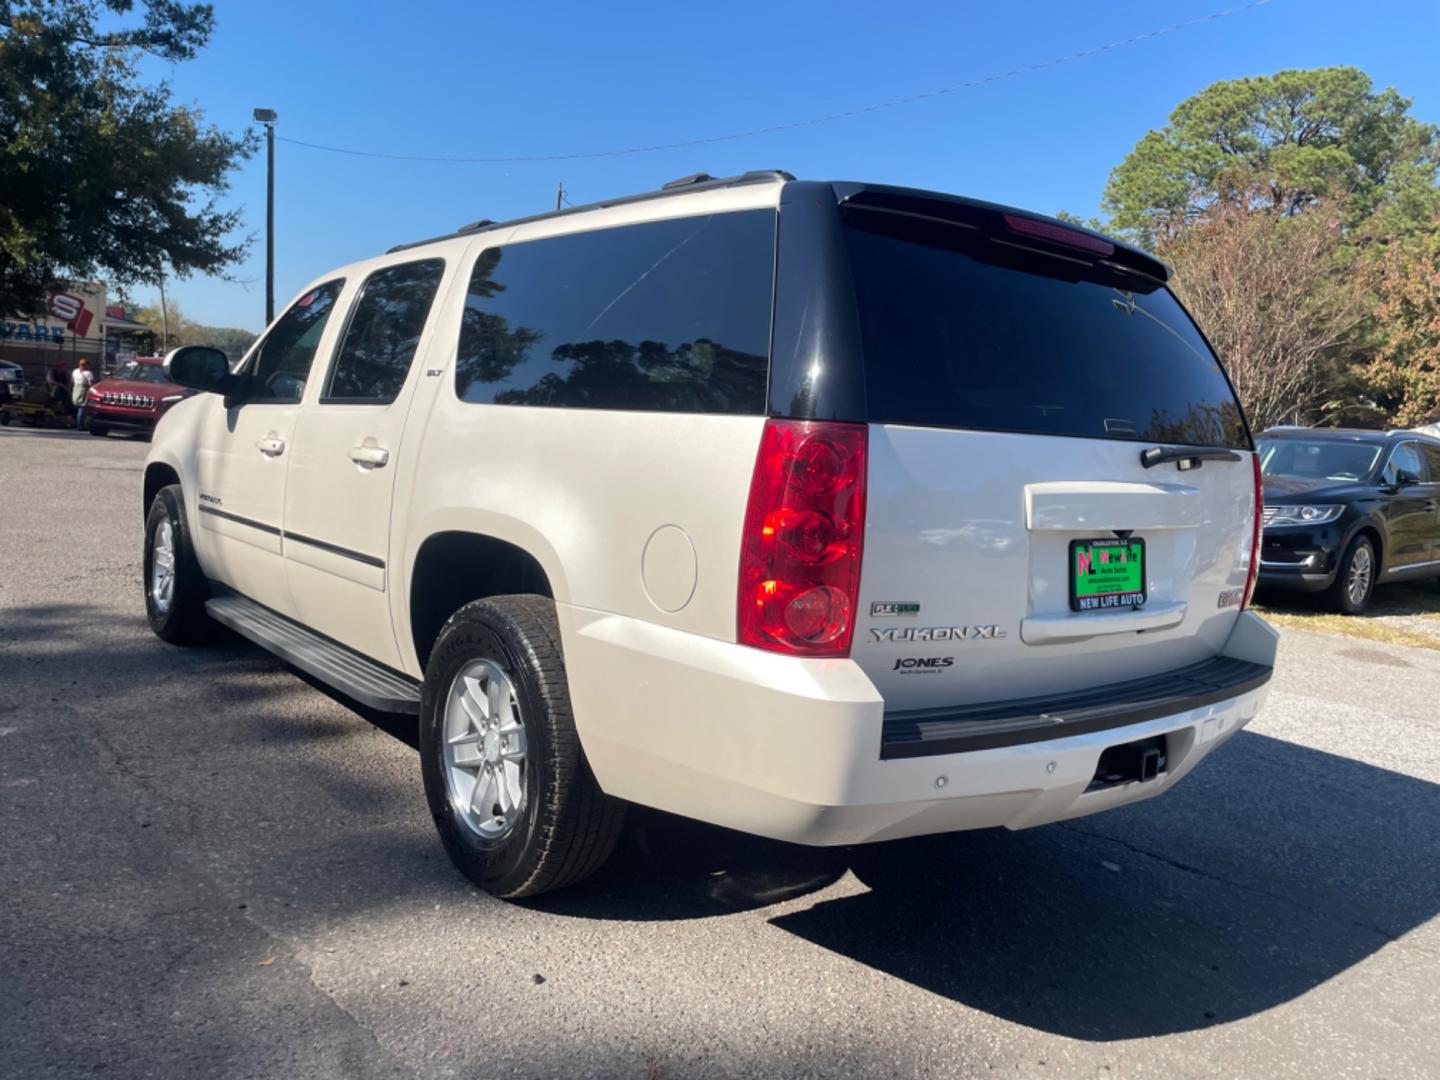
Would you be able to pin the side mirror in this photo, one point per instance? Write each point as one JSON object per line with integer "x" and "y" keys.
{"x": 200, "y": 368}
{"x": 1405, "y": 478}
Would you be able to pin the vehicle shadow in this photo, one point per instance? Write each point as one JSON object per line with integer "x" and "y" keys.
{"x": 667, "y": 868}
{"x": 1268, "y": 872}
{"x": 1271, "y": 870}
{"x": 1404, "y": 598}
{"x": 35, "y": 431}
{"x": 1280, "y": 869}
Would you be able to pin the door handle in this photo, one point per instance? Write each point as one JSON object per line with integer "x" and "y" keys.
{"x": 1430, "y": 505}
{"x": 271, "y": 445}
{"x": 370, "y": 457}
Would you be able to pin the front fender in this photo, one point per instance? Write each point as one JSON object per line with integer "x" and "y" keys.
{"x": 174, "y": 445}
{"x": 1372, "y": 522}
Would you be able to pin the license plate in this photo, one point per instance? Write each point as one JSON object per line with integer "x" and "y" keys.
{"x": 1107, "y": 574}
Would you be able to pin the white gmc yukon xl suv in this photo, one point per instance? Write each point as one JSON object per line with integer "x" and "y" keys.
{"x": 830, "y": 512}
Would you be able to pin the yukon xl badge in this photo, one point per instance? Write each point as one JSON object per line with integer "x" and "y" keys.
{"x": 885, "y": 608}
{"x": 936, "y": 633}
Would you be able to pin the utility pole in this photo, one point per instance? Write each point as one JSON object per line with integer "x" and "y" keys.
{"x": 268, "y": 118}
{"x": 164, "y": 316}
{"x": 559, "y": 193}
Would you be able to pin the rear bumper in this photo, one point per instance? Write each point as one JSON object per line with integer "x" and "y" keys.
{"x": 791, "y": 749}
{"x": 1000, "y": 725}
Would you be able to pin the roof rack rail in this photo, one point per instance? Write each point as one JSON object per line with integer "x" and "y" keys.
{"x": 682, "y": 186}
{"x": 686, "y": 181}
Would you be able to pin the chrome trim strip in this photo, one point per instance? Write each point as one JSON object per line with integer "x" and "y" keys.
{"x": 271, "y": 529}
{"x": 323, "y": 545}
{"x": 336, "y": 549}
{"x": 1412, "y": 566}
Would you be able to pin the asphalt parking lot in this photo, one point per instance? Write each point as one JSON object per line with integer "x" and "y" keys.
{"x": 211, "y": 868}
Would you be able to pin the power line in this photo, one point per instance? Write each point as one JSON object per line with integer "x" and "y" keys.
{"x": 830, "y": 118}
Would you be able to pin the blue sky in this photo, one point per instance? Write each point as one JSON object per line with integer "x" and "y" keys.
{"x": 456, "y": 78}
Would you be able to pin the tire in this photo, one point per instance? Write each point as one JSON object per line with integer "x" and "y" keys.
{"x": 1342, "y": 597}
{"x": 99, "y": 429}
{"x": 181, "y": 620}
{"x": 561, "y": 827}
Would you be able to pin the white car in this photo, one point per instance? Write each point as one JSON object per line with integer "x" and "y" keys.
{"x": 829, "y": 512}
{"x": 12, "y": 376}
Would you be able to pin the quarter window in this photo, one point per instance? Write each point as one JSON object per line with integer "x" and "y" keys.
{"x": 663, "y": 316}
{"x": 384, "y": 330}
{"x": 281, "y": 363}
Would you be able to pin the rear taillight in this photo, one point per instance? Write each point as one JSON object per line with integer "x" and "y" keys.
{"x": 800, "y": 551}
{"x": 1257, "y": 528}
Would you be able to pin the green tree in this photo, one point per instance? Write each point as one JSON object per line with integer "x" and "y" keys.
{"x": 171, "y": 328}
{"x": 230, "y": 340}
{"x": 1405, "y": 368}
{"x": 177, "y": 329}
{"x": 100, "y": 173}
{"x": 1280, "y": 143}
{"x": 1282, "y": 298}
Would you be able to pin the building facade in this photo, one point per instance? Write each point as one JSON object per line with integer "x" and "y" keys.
{"x": 76, "y": 322}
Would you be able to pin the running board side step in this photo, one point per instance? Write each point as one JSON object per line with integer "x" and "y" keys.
{"x": 345, "y": 670}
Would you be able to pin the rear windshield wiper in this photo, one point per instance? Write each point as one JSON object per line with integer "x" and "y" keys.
{"x": 1185, "y": 457}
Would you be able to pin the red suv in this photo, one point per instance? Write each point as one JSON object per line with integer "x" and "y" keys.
{"x": 133, "y": 399}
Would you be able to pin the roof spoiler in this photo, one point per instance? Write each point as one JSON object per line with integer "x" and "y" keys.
{"x": 1006, "y": 224}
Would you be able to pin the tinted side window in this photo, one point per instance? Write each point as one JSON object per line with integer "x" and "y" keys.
{"x": 963, "y": 332}
{"x": 664, "y": 316}
{"x": 1405, "y": 456}
{"x": 1432, "y": 459}
{"x": 281, "y": 363}
{"x": 384, "y": 331}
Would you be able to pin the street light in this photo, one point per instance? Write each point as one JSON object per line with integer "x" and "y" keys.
{"x": 268, "y": 118}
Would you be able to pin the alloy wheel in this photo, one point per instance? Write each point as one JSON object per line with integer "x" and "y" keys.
{"x": 485, "y": 750}
{"x": 1362, "y": 570}
{"x": 162, "y": 568}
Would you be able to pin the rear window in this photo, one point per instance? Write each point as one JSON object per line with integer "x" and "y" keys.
{"x": 669, "y": 316}
{"x": 962, "y": 331}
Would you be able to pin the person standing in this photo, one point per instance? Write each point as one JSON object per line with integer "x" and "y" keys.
{"x": 81, "y": 379}
{"x": 57, "y": 388}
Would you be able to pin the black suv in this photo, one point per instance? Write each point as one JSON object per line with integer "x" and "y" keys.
{"x": 1347, "y": 510}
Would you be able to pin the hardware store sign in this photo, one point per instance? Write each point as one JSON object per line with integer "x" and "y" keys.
{"x": 75, "y": 311}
